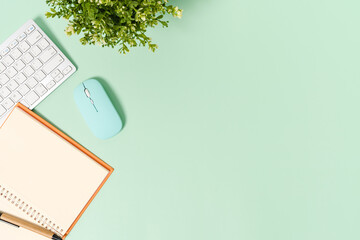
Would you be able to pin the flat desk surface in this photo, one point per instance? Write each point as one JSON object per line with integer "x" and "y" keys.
{"x": 244, "y": 125}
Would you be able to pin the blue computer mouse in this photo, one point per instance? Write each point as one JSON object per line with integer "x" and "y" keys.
{"x": 97, "y": 110}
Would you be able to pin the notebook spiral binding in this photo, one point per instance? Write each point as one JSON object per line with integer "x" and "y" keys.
{"x": 30, "y": 211}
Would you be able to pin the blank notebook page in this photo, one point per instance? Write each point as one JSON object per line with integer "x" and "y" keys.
{"x": 45, "y": 171}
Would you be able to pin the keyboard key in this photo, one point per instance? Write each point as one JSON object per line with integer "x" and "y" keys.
{"x": 7, "y": 103}
{"x": 2, "y": 67}
{"x": 47, "y": 54}
{"x": 20, "y": 78}
{"x": 31, "y": 83}
{"x": 52, "y": 64}
{"x": 29, "y": 71}
{"x": 39, "y": 76}
{"x": 40, "y": 89}
{"x": 35, "y": 50}
{"x": 21, "y": 37}
{"x": 43, "y": 43}
{"x": 24, "y": 47}
{"x": 50, "y": 85}
{"x": 13, "y": 44}
{"x": 4, "y": 92}
{"x": 8, "y": 60}
{"x": 4, "y": 79}
{"x": 16, "y": 53}
{"x": 58, "y": 77}
{"x": 30, "y": 29}
{"x": 12, "y": 85}
{"x": 31, "y": 98}
{"x": 5, "y": 51}
{"x": 10, "y": 72}
{"x": 55, "y": 73}
{"x": 67, "y": 70}
{"x": 23, "y": 90}
{"x": 36, "y": 64}
{"x": 2, "y": 110}
{"x": 19, "y": 65}
{"x": 27, "y": 58}
{"x": 34, "y": 37}
{"x": 15, "y": 96}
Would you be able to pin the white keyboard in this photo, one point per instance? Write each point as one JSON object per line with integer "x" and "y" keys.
{"x": 31, "y": 67}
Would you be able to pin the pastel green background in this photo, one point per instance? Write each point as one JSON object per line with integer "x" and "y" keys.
{"x": 244, "y": 124}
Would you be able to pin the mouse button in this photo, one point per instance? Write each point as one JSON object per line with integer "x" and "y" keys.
{"x": 98, "y": 94}
{"x": 79, "y": 93}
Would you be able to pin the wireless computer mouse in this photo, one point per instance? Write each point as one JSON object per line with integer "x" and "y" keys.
{"x": 97, "y": 109}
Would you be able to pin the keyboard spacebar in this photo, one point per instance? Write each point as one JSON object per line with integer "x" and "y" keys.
{"x": 52, "y": 64}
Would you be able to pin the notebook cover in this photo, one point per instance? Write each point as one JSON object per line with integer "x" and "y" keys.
{"x": 78, "y": 146}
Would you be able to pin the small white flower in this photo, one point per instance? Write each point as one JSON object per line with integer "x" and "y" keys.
{"x": 179, "y": 13}
{"x": 69, "y": 30}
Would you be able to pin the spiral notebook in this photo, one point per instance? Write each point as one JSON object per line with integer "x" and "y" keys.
{"x": 45, "y": 176}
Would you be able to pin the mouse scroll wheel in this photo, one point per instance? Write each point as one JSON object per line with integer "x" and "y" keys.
{"x": 87, "y": 93}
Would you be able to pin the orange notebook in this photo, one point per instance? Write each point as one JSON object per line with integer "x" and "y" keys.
{"x": 45, "y": 176}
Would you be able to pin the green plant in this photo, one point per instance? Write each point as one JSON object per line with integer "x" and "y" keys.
{"x": 113, "y": 23}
